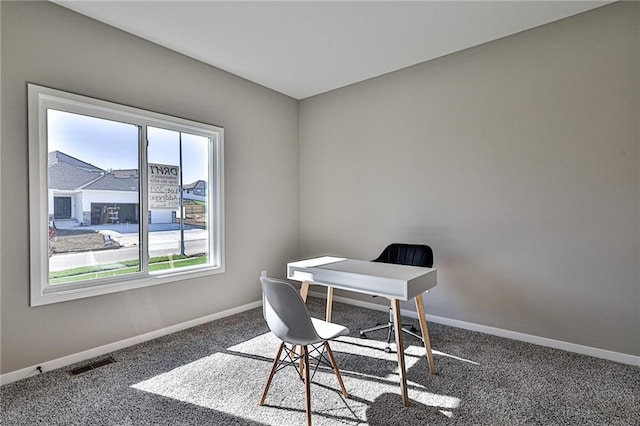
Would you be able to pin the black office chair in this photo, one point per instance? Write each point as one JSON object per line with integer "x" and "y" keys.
{"x": 403, "y": 254}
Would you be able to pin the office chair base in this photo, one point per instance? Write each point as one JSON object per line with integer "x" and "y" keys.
{"x": 413, "y": 331}
{"x": 376, "y": 328}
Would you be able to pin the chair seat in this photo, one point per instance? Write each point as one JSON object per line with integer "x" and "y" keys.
{"x": 328, "y": 330}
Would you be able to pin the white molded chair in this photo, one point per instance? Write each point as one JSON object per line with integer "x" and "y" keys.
{"x": 287, "y": 317}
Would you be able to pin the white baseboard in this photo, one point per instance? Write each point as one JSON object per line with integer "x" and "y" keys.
{"x": 542, "y": 341}
{"x": 105, "y": 349}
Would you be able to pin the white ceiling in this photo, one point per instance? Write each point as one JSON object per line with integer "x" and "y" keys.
{"x": 303, "y": 48}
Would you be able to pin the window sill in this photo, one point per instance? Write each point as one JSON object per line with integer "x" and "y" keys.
{"x": 57, "y": 295}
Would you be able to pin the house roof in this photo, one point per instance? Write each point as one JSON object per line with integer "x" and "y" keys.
{"x": 109, "y": 182}
{"x": 71, "y": 174}
{"x": 197, "y": 184}
{"x": 56, "y": 157}
{"x": 65, "y": 176}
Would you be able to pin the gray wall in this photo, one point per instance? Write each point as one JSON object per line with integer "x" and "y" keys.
{"x": 49, "y": 45}
{"x": 517, "y": 161}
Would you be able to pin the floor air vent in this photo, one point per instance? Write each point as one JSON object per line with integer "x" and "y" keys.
{"x": 91, "y": 366}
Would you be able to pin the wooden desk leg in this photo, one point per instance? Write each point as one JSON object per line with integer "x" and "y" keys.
{"x": 425, "y": 332}
{"x": 304, "y": 291}
{"x": 329, "y": 303}
{"x": 397, "y": 320}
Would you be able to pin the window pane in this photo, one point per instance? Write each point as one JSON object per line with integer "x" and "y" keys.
{"x": 93, "y": 197}
{"x": 178, "y": 199}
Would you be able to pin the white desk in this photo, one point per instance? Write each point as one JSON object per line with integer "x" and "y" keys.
{"x": 395, "y": 282}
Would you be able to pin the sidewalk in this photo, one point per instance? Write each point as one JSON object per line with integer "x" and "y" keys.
{"x": 161, "y": 242}
{"x": 156, "y": 238}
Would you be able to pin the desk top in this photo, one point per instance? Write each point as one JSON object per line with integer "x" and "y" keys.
{"x": 381, "y": 279}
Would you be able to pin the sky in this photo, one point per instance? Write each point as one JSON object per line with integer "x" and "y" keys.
{"x": 114, "y": 145}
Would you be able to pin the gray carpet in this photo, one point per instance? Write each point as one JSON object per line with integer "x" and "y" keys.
{"x": 213, "y": 375}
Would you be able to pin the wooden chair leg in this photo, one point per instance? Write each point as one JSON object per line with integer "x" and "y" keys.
{"x": 307, "y": 383}
{"x": 334, "y": 364}
{"x": 273, "y": 371}
{"x": 304, "y": 291}
{"x": 301, "y": 366}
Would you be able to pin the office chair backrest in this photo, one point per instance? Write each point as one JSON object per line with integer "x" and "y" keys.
{"x": 407, "y": 254}
{"x": 286, "y": 313}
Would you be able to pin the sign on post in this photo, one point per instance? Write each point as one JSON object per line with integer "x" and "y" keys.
{"x": 164, "y": 187}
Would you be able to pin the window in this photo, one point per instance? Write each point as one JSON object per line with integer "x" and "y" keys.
{"x": 61, "y": 207}
{"x": 120, "y": 197}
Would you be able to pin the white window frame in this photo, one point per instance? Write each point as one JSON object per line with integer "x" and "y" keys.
{"x": 42, "y": 98}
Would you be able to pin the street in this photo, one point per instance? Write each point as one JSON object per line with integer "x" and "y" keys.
{"x": 161, "y": 243}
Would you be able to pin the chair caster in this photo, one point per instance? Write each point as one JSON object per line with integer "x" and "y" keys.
{"x": 362, "y": 335}
{"x": 388, "y": 349}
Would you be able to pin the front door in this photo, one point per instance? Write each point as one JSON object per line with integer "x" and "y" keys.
{"x": 62, "y": 207}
